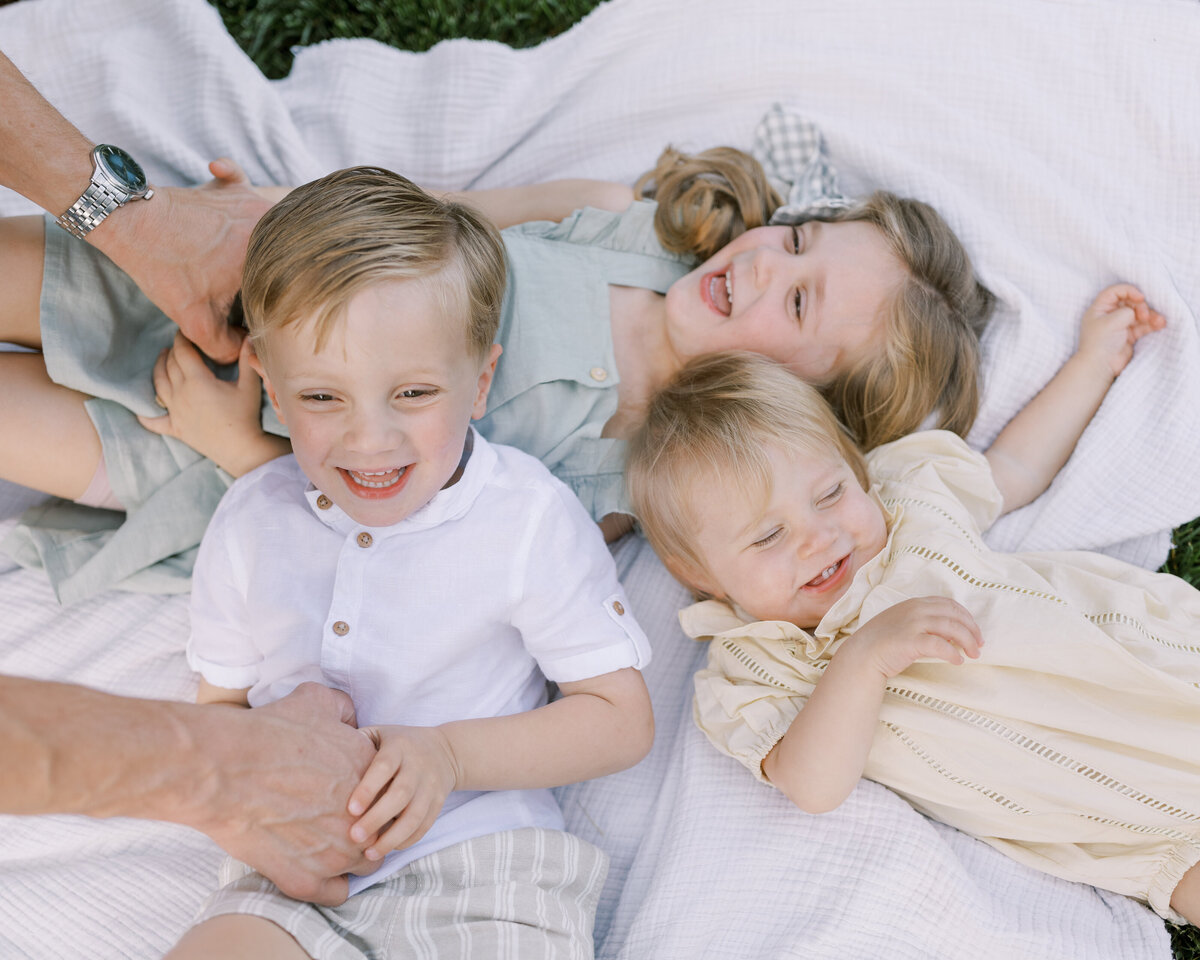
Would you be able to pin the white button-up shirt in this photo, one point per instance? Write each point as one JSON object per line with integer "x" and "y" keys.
{"x": 459, "y": 611}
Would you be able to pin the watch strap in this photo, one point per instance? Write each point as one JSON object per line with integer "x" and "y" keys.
{"x": 86, "y": 213}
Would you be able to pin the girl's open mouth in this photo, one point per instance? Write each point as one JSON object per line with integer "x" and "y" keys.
{"x": 716, "y": 290}
{"x": 830, "y": 577}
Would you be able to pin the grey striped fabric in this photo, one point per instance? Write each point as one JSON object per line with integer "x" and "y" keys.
{"x": 525, "y": 894}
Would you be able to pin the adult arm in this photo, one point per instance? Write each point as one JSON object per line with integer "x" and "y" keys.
{"x": 270, "y": 786}
{"x": 1039, "y": 440}
{"x": 184, "y": 247}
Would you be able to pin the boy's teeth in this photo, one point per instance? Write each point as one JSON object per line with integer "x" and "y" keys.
{"x": 377, "y": 478}
{"x": 729, "y": 288}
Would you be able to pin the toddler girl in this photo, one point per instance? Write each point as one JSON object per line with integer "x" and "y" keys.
{"x": 1046, "y": 703}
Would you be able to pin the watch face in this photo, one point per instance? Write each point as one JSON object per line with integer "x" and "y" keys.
{"x": 121, "y": 167}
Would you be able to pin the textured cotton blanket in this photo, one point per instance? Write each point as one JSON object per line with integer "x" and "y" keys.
{"x": 1062, "y": 142}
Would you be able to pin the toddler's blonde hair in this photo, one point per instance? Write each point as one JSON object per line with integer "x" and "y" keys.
{"x": 716, "y": 420}
{"x": 328, "y": 240}
{"x": 928, "y": 362}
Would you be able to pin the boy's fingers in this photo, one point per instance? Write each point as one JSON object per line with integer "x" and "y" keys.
{"x": 376, "y": 778}
{"x": 160, "y": 425}
{"x": 185, "y": 354}
{"x": 390, "y": 803}
{"x": 408, "y": 828}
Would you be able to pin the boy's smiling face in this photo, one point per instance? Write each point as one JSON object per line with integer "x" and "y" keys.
{"x": 379, "y": 415}
{"x": 792, "y": 557}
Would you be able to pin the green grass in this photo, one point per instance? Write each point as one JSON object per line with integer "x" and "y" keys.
{"x": 268, "y": 29}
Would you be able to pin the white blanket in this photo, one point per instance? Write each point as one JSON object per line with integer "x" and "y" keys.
{"x": 1061, "y": 140}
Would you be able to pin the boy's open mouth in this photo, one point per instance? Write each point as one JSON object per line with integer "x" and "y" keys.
{"x": 374, "y": 483}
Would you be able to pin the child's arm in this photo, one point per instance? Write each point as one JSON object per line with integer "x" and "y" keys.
{"x": 506, "y": 206}
{"x": 1038, "y": 441}
{"x": 209, "y": 693}
{"x": 217, "y": 418}
{"x": 552, "y": 200}
{"x": 598, "y": 726}
{"x": 823, "y": 754}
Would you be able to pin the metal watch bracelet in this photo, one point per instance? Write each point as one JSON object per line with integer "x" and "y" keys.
{"x": 85, "y": 214}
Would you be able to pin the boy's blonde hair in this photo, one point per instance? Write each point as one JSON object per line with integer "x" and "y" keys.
{"x": 328, "y": 240}
{"x": 716, "y": 419}
{"x": 929, "y": 361}
{"x": 706, "y": 199}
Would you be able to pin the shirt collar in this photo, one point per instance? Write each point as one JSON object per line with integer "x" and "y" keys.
{"x": 447, "y": 504}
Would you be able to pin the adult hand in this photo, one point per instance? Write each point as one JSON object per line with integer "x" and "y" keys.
{"x": 185, "y": 248}
{"x": 278, "y": 779}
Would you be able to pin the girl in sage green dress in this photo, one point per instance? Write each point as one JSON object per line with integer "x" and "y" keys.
{"x": 877, "y": 303}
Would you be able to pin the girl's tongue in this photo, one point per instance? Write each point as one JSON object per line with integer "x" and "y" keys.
{"x": 719, "y": 292}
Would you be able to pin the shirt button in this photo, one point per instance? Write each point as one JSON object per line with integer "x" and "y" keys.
{"x": 599, "y": 374}
{"x": 618, "y": 608}
{"x": 341, "y": 627}
{"x": 365, "y": 539}
{"x": 324, "y": 502}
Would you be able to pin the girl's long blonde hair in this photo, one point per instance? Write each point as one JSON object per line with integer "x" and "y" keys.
{"x": 929, "y": 362}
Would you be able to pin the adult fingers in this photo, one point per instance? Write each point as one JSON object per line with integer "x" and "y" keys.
{"x": 225, "y": 170}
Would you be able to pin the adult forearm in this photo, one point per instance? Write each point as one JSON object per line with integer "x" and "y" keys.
{"x": 71, "y": 749}
{"x": 42, "y": 156}
{"x": 269, "y": 785}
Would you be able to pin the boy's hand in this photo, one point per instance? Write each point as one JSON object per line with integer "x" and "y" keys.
{"x": 405, "y": 786}
{"x": 922, "y": 627}
{"x": 217, "y": 418}
{"x": 1115, "y": 321}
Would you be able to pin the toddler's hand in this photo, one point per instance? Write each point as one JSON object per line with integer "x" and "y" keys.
{"x": 405, "y": 786}
{"x": 1115, "y": 321}
{"x": 214, "y": 417}
{"x": 922, "y": 627}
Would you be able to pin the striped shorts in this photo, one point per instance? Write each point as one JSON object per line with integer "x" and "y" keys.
{"x": 520, "y": 894}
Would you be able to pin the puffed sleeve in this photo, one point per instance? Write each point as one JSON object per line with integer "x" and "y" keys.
{"x": 756, "y": 681}
{"x": 938, "y": 464}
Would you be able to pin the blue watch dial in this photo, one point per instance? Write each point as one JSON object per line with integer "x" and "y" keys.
{"x": 122, "y": 167}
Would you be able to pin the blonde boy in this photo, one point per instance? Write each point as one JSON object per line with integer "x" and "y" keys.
{"x": 436, "y": 578}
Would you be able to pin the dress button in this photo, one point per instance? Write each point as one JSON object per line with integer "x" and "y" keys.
{"x": 341, "y": 627}
{"x": 599, "y": 374}
{"x": 365, "y": 539}
{"x": 324, "y": 502}
{"x": 618, "y": 608}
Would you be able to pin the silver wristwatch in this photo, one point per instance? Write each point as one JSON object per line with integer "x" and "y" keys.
{"x": 116, "y": 179}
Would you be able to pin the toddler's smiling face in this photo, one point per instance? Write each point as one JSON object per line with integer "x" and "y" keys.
{"x": 790, "y": 553}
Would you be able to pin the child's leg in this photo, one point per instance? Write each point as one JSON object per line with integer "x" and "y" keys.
{"x": 233, "y": 936}
{"x": 1186, "y": 898}
{"x": 47, "y": 440}
{"x": 22, "y": 251}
